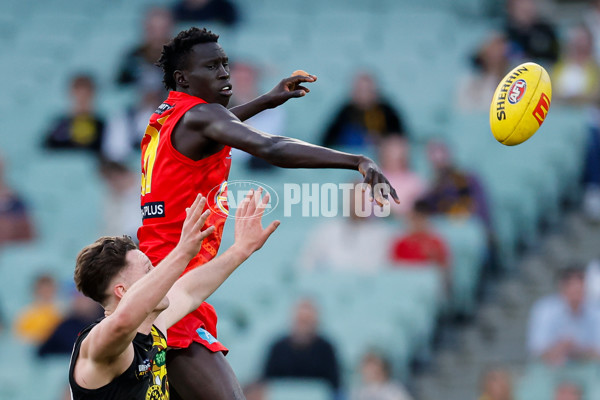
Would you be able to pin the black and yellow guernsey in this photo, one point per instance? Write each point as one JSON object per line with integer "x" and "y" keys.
{"x": 145, "y": 379}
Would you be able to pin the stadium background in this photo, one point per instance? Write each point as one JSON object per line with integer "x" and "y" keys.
{"x": 416, "y": 49}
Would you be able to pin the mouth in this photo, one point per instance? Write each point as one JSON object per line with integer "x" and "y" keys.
{"x": 226, "y": 90}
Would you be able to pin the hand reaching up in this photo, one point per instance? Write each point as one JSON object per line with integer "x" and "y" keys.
{"x": 249, "y": 233}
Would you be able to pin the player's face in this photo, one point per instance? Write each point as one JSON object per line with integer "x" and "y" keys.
{"x": 208, "y": 73}
{"x": 138, "y": 265}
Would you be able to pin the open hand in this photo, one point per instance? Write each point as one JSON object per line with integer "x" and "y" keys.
{"x": 377, "y": 182}
{"x": 249, "y": 233}
{"x": 289, "y": 88}
{"x": 192, "y": 234}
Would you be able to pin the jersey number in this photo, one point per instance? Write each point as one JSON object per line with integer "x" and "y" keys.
{"x": 149, "y": 149}
{"x": 148, "y": 158}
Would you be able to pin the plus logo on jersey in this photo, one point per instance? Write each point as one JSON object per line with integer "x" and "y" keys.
{"x": 155, "y": 209}
{"x": 516, "y": 91}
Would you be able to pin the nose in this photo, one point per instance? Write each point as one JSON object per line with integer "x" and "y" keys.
{"x": 223, "y": 72}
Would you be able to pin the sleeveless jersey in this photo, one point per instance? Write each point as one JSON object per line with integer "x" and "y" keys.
{"x": 170, "y": 183}
{"x": 145, "y": 379}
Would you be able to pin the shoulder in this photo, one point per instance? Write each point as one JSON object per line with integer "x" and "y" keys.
{"x": 280, "y": 343}
{"x": 206, "y": 113}
{"x": 83, "y": 335}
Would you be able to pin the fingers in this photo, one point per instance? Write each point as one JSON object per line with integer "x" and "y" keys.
{"x": 254, "y": 200}
{"x": 242, "y": 209}
{"x": 394, "y": 195}
{"x": 302, "y": 78}
{"x": 207, "y": 232}
{"x": 268, "y": 231}
{"x": 202, "y": 220}
{"x": 263, "y": 204}
{"x": 298, "y": 93}
{"x": 197, "y": 208}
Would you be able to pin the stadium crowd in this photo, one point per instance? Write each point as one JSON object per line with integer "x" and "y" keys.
{"x": 563, "y": 327}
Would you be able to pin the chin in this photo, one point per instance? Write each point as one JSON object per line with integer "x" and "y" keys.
{"x": 223, "y": 101}
{"x": 163, "y": 305}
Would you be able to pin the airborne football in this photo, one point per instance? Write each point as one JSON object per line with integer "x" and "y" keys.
{"x": 520, "y": 104}
{"x": 315, "y": 199}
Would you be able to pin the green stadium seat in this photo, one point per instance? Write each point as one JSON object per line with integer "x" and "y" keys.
{"x": 298, "y": 389}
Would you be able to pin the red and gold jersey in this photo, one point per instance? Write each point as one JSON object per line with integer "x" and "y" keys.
{"x": 170, "y": 183}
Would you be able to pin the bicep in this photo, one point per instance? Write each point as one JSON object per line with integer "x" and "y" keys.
{"x": 216, "y": 123}
{"x": 107, "y": 340}
{"x": 180, "y": 304}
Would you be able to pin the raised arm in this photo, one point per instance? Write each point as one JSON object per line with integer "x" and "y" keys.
{"x": 216, "y": 123}
{"x": 195, "y": 286}
{"x": 286, "y": 89}
{"x": 113, "y": 335}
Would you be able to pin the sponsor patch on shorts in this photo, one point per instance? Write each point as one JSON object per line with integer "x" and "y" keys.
{"x": 206, "y": 336}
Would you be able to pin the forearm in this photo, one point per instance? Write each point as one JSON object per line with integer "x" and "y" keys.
{"x": 144, "y": 295}
{"x": 201, "y": 282}
{"x": 250, "y": 109}
{"x": 292, "y": 153}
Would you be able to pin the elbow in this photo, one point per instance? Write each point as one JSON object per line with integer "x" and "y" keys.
{"x": 122, "y": 324}
{"x": 271, "y": 150}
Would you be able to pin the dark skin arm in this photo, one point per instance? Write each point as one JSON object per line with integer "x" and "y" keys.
{"x": 206, "y": 128}
{"x": 286, "y": 89}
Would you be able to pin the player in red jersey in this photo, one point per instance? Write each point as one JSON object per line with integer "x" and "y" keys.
{"x": 186, "y": 150}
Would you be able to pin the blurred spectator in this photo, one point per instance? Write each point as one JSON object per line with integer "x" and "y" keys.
{"x": 348, "y": 243}
{"x": 122, "y": 202}
{"x": 475, "y": 90}
{"x": 83, "y": 311}
{"x": 568, "y": 391}
{"x": 576, "y": 77}
{"x": 421, "y": 244}
{"x": 394, "y": 159}
{"x": 138, "y": 67}
{"x": 496, "y": 385}
{"x": 222, "y": 11}
{"x": 15, "y": 222}
{"x": 529, "y": 36}
{"x": 81, "y": 127}
{"x": 37, "y": 321}
{"x": 376, "y": 380}
{"x": 592, "y": 20}
{"x": 592, "y": 282}
{"x": 303, "y": 353}
{"x": 125, "y": 130}
{"x": 245, "y": 80}
{"x": 563, "y": 326}
{"x": 365, "y": 118}
{"x": 454, "y": 192}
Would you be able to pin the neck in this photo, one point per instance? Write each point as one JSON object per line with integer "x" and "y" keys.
{"x": 146, "y": 326}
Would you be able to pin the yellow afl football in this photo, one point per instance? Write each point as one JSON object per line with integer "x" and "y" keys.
{"x": 520, "y": 104}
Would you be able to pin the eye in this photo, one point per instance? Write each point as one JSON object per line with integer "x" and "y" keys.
{"x": 210, "y": 67}
{"x": 226, "y": 64}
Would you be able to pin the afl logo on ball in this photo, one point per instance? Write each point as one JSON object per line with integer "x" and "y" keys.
{"x": 516, "y": 91}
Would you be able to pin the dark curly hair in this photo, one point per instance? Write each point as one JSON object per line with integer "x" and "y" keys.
{"x": 98, "y": 263}
{"x": 174, "y": 54}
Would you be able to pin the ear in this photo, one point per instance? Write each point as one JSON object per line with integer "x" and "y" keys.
{"x": 180, "y": 79}
{"x": 119, "y": 290}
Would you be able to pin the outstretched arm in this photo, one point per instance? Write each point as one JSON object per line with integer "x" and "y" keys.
{"x": 216, "y": 123}
{"x": 286, "y": 89}
{"x": 195, "y": 286}
{"x": 113, "y": 335}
